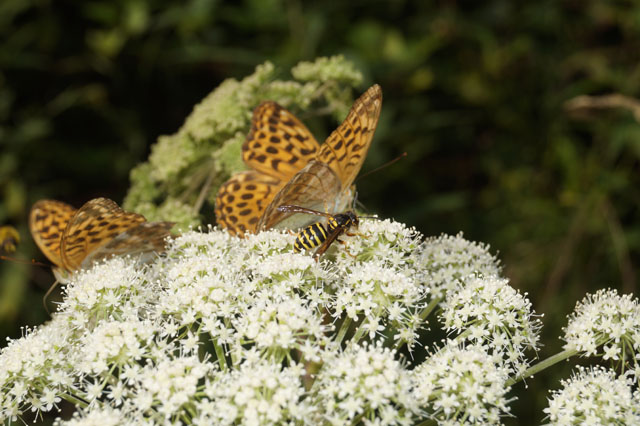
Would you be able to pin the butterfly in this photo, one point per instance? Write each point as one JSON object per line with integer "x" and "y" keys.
{"x": 75, "y": 239}
{"x": 289, "y": 167}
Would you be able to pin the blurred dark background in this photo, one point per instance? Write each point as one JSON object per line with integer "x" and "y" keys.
{"x": 475, "y": 92}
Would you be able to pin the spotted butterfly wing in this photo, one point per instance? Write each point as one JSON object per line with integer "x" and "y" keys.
{"x": 47, "y": 221}
{"x": 277, "y": 147}
{"x": 74, "y": 239}
{"x": 325, "y": 182}
{"x": 242, "y": 199}
{"x": 93, "y": 225}
{"x": 278, "y": 144}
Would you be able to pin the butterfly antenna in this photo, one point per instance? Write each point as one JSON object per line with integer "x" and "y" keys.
{"x": 23, "y": 261}
{"x": 388, "y": 163}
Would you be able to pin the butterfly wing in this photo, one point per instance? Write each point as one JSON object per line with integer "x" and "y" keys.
{"x": 47, "y": 221}
{"x": 242, "y": 200}
{"x": 277, "y": 147}
{"x": 346, "y": 147}
{"x": 145, "y": 240}
{"x": 278, "y": 144}
{"x": 93, "y": 225}
{"x": 325, "y": 183}
{"x": 312, "y": 188}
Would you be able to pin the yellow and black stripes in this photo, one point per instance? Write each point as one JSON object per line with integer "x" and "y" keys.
{"x": 310, "y": 237}
{"x": 317, "y": 235}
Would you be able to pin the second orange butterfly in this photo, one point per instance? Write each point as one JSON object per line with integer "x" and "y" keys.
{"x": 73, "y": 239}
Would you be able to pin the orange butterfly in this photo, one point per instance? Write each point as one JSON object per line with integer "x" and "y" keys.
{"x": 289, "y": 167}
{"x": 74, "y": 239}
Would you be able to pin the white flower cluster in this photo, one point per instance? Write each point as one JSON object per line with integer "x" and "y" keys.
{"x": 487, "y": 311}
{"x": 256, "y": 393}
{"x": 223, "y": 330}
{"x": 381, "y": 286}
{"x": 448, "y": 260}
{"x": 605, "y": 320}
{"x": 101, "y": 416}
{"x": 363, "y": 382}
{"x": 594, "y": 396}
{"x": 462, "y": 386}
{"x": 26, "y": 370}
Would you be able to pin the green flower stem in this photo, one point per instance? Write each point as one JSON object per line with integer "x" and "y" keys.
{"x": 74, "y": 400}
{"x": 428, "y": 422}
{"x": 554, "y": 359}
{"x": 359, "y": 332}
{"x": 430, "y": 307}
{"x": 343, "y": 330}
{"x": 357, "y": 419}
{"x": 220, "y": 353}
{"x": 463, "y": 335}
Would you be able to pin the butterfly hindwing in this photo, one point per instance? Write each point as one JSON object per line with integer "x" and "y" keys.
{"x": 48, "y": 220}
{"x": 242, "y": 199}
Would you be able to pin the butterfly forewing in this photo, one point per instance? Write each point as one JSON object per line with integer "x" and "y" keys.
{"x": 346, "y": 147}
{"x": 278, "y": 144}
{"x": 242, "y": 199}
{"x": 312, "y": 188}
{"x": 97, "y": 222}
{"x": 47, "y": 221}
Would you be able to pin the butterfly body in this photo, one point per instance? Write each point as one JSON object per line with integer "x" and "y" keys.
{"x": 319, "y": 235}
{"x": 289, "y": 167}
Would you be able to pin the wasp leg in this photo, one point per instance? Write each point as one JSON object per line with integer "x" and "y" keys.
{"x": 344, "y": 243}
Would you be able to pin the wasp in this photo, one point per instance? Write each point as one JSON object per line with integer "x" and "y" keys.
{"x": 316, "y": 234}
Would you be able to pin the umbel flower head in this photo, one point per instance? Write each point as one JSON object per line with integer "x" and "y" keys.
{"x": 459, "y": 385}
{"x": 226, "y": 330}
{"x": 486, "y": 310}
{"x": 605, "y": 324}
{"x": 595, "y": 396}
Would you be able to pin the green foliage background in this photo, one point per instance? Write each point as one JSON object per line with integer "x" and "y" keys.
{"x": 474, "y": 92}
